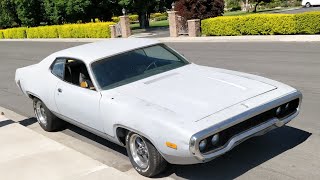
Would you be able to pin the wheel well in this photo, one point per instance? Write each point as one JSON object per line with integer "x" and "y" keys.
{"x": 121, "y": 134}
{"x": 31, "y": 96}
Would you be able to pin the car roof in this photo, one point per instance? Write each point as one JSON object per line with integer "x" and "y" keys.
{"x": 101, "y": 49}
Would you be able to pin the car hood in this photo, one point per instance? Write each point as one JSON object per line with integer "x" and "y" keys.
{"x": 195, "y": 92}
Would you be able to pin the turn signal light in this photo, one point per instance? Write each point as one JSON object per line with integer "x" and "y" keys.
{"x": 171, "y": 145}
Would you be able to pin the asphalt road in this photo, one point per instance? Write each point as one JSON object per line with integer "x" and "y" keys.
{"x": 287, "y": 153}
{"x": 301, "y": 10}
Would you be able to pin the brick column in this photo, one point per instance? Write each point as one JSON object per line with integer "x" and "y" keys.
{"x": 125, "y": 26}
{"x": 113, "y": 31}
{"x": 173, "y": 23}
{"x": 194, "y": 27}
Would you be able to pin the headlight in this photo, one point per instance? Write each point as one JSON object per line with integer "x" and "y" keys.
{"x": 287, "y": 106}
{"x": 215, "y": 139}
{"x": 278, "y": 111}
{"x": 203, "y": 144}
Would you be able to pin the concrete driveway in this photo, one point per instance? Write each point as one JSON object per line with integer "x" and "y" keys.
{"x": 292, "y": 152}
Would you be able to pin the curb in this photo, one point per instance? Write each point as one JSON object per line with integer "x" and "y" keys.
{"x": 258, "y": 38}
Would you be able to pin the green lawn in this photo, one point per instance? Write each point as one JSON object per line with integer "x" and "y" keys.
{"x": 239, "y": 13}
{"x": 153, "y": 24}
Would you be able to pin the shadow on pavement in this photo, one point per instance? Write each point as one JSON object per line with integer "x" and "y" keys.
{"x": 233, "y": 164}
{"x": 246, "y": 156}
{"x": 80, "y": 134}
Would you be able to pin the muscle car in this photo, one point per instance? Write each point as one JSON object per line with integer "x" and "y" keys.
{"x": 145, "y": 96}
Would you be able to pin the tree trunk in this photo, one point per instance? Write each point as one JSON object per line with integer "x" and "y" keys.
{"x": 255, "y": 7}
{"x": 143, "y": 20}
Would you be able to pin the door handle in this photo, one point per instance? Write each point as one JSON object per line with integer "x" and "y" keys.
{"x": 59, "y": 90}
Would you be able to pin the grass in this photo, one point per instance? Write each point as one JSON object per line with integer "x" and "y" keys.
{"x": 239, "y": 13}
{"x": 153, "y": 24}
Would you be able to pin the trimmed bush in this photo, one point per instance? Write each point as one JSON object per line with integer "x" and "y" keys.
{"x": 43, "y": 32}
{"x": 262, "y": 24}
{"x": 14, "y": 33}
{"x": 134, "y": 18}
{"x": 115, "y": 19}
{"x": 308, "y": 23}
{"x": 89, "y": 30}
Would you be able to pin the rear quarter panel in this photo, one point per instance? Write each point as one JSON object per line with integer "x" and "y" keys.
{"x": 37, "y": 80}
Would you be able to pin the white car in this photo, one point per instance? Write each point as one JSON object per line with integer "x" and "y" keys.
{"x": 143, "y": 95}
{"x": 309, "y": 3}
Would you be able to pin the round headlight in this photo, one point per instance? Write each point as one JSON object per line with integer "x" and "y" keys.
{"x": 287, "y": 106}
{"x": 203, "y": 144}
{"x": 215, "y": 139}
{"x": 278, "y": 111}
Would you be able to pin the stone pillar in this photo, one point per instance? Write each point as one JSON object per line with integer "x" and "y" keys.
{"x": 125, "y": 26}
{"x": 173, "y": 23}
{"x": 113, "y": 31}
{"x": 194, "y": 27}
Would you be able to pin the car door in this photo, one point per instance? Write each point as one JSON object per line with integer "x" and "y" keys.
{"x": 78, "y": 104}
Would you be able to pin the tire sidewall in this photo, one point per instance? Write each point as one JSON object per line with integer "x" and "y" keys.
{"x": 35, "y": 101}
{"x": 135, "y": 165}
{"x": 308, "y": 5}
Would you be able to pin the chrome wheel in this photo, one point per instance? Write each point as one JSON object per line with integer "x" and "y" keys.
{"x": 139, "y": 151}
{"x": 40, "y": 113}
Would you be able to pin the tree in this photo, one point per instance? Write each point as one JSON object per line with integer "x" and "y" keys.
{"x": 195, "y": 9}
{"x": 144, "y": 8}
{"x": 29, "y": 12}
{"x": 77, "y": 10}
{"x": 9, "y": 11}
{"x": 258, "y": 2}
{"x": 103, "y": 9}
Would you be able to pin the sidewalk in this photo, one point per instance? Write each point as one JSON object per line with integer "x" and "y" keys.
{"x": 25, "y": 154}
{"x": 257, "y": 38}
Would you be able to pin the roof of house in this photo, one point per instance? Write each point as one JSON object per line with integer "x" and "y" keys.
{"x": 102, "y": 49}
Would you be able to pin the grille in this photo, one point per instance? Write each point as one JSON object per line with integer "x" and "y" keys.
{"x": 227, "y": 134}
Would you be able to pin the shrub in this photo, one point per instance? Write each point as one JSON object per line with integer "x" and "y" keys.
{"x": 89, "y": 30}
{"x": 157, "y": 15}
{"x": 43, "y": 32}
{"x": 14, "y": 33}
{"x": 195, "y": 9}
{"x": 160, "y": 18}
{"x": 115, "y": 19}
{"x": 308, "y": 23}
{"x": 134, "y": 18}
{"x": 262, "y": 24}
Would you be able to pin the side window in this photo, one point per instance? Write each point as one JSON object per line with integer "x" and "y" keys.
{"x": 76, "y": 73}
{"x": 58, "y": 68}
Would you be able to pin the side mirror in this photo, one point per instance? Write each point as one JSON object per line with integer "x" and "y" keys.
{"x": 84, "y": 84}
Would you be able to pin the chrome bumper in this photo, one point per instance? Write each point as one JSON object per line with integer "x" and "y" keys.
{"x": 237, "y": 139}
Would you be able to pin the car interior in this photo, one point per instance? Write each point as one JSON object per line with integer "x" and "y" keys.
{"x": 76, "y": 73}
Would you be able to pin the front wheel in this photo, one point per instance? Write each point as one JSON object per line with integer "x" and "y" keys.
{"x": 47, "y": 120}
{"x": 144, "y": 157}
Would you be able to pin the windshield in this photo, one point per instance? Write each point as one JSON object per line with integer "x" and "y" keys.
{"x": 135, "y": 65}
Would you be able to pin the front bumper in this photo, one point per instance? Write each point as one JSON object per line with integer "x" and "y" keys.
{"x": 237, "y": 139}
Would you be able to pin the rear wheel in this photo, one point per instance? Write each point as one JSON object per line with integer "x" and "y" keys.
{"x": 47, "y": 120}
{"x": 144, "y": 157}
{"x": 308, "y": 4}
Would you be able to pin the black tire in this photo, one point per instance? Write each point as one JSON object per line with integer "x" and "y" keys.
{"x": 157, "y": 164}
{"x": 52, "y": 123}
{"x": 308, "y": 5}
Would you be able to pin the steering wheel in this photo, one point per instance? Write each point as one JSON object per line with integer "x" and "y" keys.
{"x": 154, "y": 63}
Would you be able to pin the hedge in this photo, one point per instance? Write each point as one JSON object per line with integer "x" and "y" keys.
{"x": 14, "y": 33}
{"x": 262, "y": 24}
{"x": 89, "y": 30}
